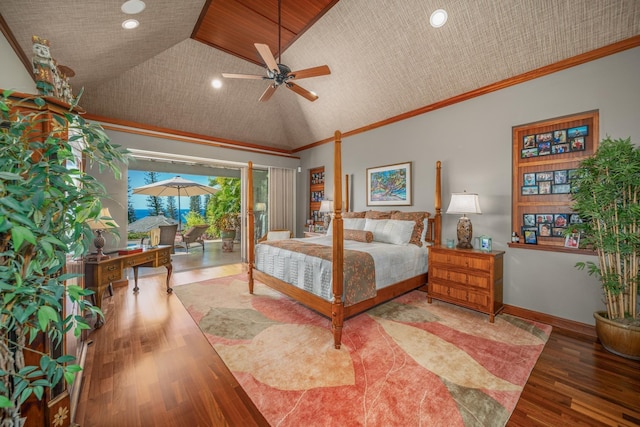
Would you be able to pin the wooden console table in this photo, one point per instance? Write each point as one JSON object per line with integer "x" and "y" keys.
{"x": 100, "y": 274}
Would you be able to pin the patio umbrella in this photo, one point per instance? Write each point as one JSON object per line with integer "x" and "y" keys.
{"x": 176, "y": 186}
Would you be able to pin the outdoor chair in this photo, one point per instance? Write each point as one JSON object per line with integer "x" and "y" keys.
{"x": 276, "y": 235}
{"x": 167, "y": 236}
{"x": 192, "y": 235}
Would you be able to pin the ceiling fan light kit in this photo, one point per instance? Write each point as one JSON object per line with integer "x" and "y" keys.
{"x": 279, "y": 73}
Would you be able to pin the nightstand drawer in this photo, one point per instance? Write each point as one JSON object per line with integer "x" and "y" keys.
{"x": 447, "y": 291}
{"x": 456, "y": 260}
{"x": 476, "y": 280}
{"x": 478, "y": 300}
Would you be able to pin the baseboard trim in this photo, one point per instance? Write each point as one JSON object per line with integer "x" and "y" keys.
{"x": 77, "y": 382}
{"x": 556, "y": 322}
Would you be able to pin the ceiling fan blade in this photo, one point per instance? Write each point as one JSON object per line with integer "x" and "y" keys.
{"x": 267, "y": 57}
{"x": 322, "y": 70}
{"x": 302, "y": 91}
{"x": 243, "y": 76}
{"x": 267, "y": 93}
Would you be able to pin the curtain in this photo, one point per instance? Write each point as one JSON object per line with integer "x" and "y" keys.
{"x": 281, "y": 199}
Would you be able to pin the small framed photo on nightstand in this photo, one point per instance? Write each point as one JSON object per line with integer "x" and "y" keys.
{"x": 485, "y": 243}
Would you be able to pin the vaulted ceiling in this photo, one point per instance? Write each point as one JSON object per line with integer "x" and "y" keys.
{"x": 386, "y": 60}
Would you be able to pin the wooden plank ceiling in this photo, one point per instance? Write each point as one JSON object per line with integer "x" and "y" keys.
{"x": 233, "y": 26}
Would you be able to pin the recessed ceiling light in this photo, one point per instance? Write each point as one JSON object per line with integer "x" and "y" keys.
{"x": 132, "y": 7}
{"x": 438, "y": 18}
{"x": 130, "y": 24}
{"x": 216, "y": 83}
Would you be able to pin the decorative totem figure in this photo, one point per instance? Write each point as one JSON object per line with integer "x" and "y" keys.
{"x": 44, "y": 68}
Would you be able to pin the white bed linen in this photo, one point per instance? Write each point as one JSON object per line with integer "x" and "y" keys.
{"x": 393, "y": 263}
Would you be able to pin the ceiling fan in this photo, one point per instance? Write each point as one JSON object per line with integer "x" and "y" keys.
{"x": 281, "y": 74}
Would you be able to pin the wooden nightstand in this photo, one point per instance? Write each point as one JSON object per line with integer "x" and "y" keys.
{"x": 313, "y": 234}
{"x": 466, "y": 277}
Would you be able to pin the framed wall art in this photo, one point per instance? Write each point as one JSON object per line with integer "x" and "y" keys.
{"x": 389, "y": 185}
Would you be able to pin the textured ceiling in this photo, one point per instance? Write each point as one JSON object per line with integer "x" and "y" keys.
{"x": 384, "y": 57}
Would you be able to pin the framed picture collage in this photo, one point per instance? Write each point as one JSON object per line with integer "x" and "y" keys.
{"x": 548, "y": 224}
{"x": 559, "y": 141}
{"x": 547, "y": 182}
{"x": 546, "y": 156}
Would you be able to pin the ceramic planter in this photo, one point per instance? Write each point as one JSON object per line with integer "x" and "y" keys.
{"x": 618, "y": 338}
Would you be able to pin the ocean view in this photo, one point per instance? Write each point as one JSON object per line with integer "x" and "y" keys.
{"x": 141, "y": 213}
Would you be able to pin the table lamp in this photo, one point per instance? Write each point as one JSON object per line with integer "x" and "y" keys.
{"x": 326, "y": 207}
{"x": 104, "y": 222}
{"x": 464, "y": 203}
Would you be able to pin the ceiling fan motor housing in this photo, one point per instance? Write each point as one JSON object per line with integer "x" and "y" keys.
{"x": 282, "y": 76}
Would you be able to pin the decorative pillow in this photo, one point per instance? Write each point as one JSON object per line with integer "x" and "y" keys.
{"x": 353, "y": 214}
{"x": 358, "y": 235}
{"x": 348, "y": 223}
{"x": 423, "y": 238}
{"x": 418, "y": 219}
{"x": 391, "y": 231}
{"x": 278, "y": 235}
{"x": 378, "y": 214}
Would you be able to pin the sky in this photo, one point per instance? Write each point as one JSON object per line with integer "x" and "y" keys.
{"x": 137, "y": 179}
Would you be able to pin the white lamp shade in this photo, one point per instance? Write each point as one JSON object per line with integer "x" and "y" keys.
{"x": 326, "y": 206}
{"x": 464, "y": 203}
{"x": 104, "y": 222}
{"x": 260, "y": 206}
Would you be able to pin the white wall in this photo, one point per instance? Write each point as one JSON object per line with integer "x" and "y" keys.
{"x": 14, "y": 75}
{"x": 473, "y": 141}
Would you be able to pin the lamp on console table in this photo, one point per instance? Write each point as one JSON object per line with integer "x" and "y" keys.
{"x": 326, "y": 207}
{"x": 464, "y": 203}
{"x": 99, "y": 226}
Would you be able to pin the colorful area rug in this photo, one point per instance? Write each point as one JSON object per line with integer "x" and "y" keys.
{"x": 405, "y": 362}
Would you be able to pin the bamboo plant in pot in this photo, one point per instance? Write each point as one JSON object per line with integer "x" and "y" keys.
{"x": 606, "y": 195}
{"x": 45, "y": 203}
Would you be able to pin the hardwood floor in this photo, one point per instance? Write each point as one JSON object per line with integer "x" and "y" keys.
{"x": 150, "y": 365}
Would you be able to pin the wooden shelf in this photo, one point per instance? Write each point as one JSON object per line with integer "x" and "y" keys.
{"x": 316, "y": 192}
{"x": 551, "y": 248}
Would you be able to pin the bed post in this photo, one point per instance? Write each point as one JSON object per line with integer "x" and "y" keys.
{"x": 437, "y": 236}
{"x": 250, "y": 225}
{"x": 337, "y": 308}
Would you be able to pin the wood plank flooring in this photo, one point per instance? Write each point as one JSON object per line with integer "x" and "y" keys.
{"x": 150, "y": 365}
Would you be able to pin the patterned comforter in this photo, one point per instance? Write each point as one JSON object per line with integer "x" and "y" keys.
{"x": 306, "y": 264}
{"x": 359, "y": 270}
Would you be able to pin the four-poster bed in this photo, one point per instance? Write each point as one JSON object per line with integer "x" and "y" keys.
{"x": 345, "y": 295}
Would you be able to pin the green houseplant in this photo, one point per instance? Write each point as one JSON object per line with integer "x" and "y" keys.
{"x": 45, "y": 202}
{"x": 223, "y": 209}
{"x": 606, "y": 195}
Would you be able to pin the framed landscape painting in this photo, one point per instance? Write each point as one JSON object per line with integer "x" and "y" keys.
{"x": 389, "y": 185}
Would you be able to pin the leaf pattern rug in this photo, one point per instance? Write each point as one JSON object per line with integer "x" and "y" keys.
{"x": 404, "y": 363}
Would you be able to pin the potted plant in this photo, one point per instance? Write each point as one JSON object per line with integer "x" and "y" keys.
{"x": 226, "y": 225}
{"x": 606, "y": 195}
{"x": 45, "y": 202}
